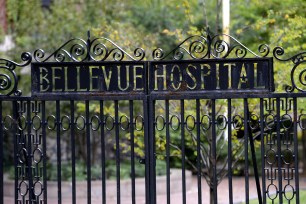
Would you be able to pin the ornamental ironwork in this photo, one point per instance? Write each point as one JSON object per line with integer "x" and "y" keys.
{"x": 154, "y": 105}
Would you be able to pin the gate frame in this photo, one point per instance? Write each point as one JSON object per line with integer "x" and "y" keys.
{"x": 78, "y": 50}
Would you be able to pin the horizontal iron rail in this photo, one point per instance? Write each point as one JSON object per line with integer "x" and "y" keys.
{"x": 160, "y": 96}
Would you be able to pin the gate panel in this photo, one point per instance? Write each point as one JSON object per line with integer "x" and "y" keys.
{"x": 53, "y": 140}
{"x": 29, "y": 144}
{"x": 280, "y": 150}
{"x": 184, "y": 125}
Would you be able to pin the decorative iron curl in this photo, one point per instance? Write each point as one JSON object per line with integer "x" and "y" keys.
{"x": 73, "y": 50}
{"x": 99, "y": 51}
{"x": 298, "y": 78}
{"x": 8, "y": 81}
{"x": 196, "y": 47}
{"x": 158, "y": 54}
{"x": 298, "y": 74}
{"x": 221, "y": 49}
{"x": 278, "y": 52}
{"x": 26, "y": 57}
{"x": 264, "y": 50}
{"x": 8, "y": 77}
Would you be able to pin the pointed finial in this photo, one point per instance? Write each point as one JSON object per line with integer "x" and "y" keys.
{"x": 88, "y": 34}
{"x": 88, "y": 45}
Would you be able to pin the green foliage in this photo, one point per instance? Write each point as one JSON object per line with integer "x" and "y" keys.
{"x": 273, "y": 23}
{"x": 155, "y": 23}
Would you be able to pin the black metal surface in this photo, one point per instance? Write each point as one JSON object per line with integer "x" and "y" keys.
{"x": 1, "y": 154}
{"x": 180, "y": 82}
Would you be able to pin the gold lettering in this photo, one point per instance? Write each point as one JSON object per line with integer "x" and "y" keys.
{"x": 191, "y": 76}
{"x": 243, "y": 77}
{"x": 56, "y": 78}
{"x": 66, "y": 79}
{"x": 204, "y": 74}
{"x": 163, "y": 76}
{"x": 106, "y": 77}
{"x": 137, "y": 76}
{"x": 79, "y": 80}
{"x": 217, "y": 76}
{"x": 91, "y": 77}
{"x": 44, "y": 78}
{"x": 172, "y": 77}
{"x": 229, "y": 67}
{"x": 127, "y": 69}
{"x": 255, "y": 75}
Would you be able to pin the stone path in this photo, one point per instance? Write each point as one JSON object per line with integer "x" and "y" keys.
{"x": 192, "y": 194}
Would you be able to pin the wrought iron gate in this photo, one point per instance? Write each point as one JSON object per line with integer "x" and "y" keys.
{"x": 196, "y": 109}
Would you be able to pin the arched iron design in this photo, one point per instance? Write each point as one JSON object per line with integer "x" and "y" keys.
{"x": 80, "y": 50}
{"x": 200, "y": 47}
{"x": 103, "y": 49}
{"x": 220, "y": 48}
{"x": 73, "y": 50}
{"x": 197, "y": 47}
{"x": 194, "y": 47}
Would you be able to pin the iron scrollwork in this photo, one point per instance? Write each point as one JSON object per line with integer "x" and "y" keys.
{"x": 298, "y": 73}
{"x": 98, "y": 49}
{"x": 217, "y": 46}
{"x": 194, "y": 47}
{"x": 8, "y": 76}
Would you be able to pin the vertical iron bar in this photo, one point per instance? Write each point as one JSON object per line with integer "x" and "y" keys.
{"x": 72, "y": 141}
{"x": 199, "y": 166}
{"x": 279, "y": 151}
{"x": 147, "y": 140}
{"x": 58, "y": 146}
{"x": 246, "y": 150}
{"x": 296, "y": 161}
{"x": 29, "y": 149}
{"x": 262, "y": 150}
{"x": 149, "y": 131}
{"x": 88, "y": 152}
{"x": 15, "y": 117}
{"x": 167, "y": 151}
{"x": 103, "y": 154}
{"x": 255, "y": 167}
{"x": 214, "y": 151}
{"x": 153, "y": 153}
{"x": 131, "y": 104}
{"x": 183, "y": 151}
{"x": 44, "y": 140}
{"x": 117, "y": 151}
{"x": 1, "y": 154}
{"x": 229, "y": 150}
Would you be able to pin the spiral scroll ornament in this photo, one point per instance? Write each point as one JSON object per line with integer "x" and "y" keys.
{"x": 102, "y": 49}
{"x": 223, "y": 46}
{"x": 298, "y": 72}
{"x": 8, "y": 76}
{"x": 278, "y": 53}
{"x": 73, "y": 50}
{"x": 194, "y": 47}
{"x": 218, "y": 46}
{"x": 8, "y": 81}
{"x": 298, "y": 78}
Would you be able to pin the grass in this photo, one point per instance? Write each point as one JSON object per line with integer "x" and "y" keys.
{"x": 276, "y": 201}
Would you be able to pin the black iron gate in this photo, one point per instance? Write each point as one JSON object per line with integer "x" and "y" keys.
{"x": 203, "y": 113}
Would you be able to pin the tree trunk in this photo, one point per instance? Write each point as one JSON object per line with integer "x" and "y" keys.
{"x": 211, "y": 195}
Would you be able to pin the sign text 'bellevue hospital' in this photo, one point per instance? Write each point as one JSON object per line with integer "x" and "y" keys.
{"x": 169, "y": 76}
